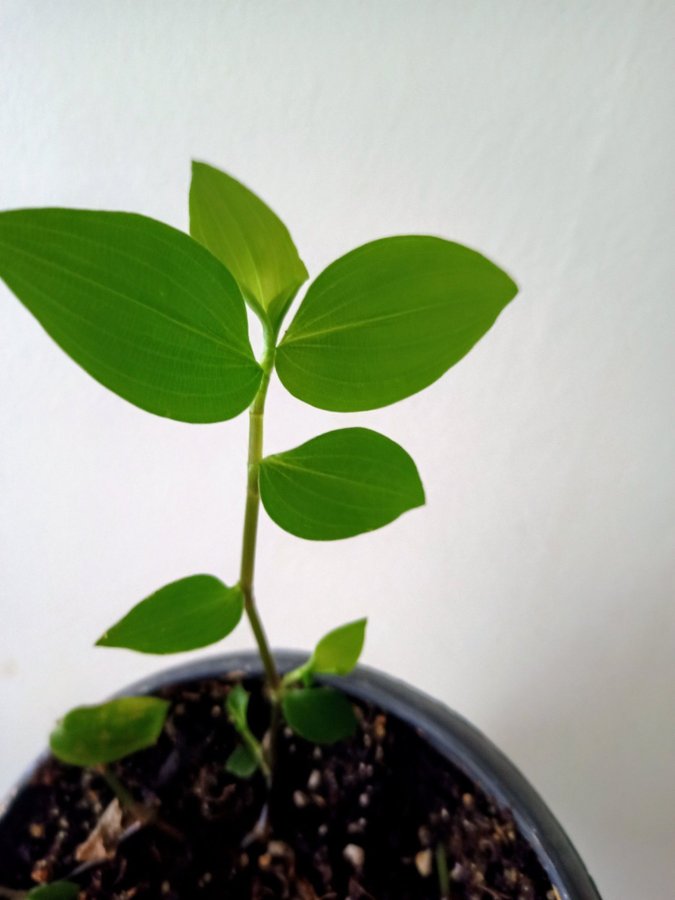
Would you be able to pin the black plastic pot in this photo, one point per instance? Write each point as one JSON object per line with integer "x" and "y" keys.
{"x": 448, "y": 733}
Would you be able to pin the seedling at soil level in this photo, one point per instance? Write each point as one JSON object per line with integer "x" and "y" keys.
{"x": 159, "y": 317}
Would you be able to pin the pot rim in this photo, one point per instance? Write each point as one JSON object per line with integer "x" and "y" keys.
{"x": 450, "y": 734}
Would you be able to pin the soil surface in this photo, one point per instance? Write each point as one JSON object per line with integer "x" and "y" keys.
{"x": 379, "y": 816}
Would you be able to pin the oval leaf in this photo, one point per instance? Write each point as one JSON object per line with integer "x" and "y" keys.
{"x": 388, "y": 319}
{"x": 143, "y": 308}
{"x": 237, "y": 707}
{"x": 92, "y": 735}
{"x": 338, "y": 651}
{"x": 322, "y": 715}
{"x": 242, "y": 762}
{"x": 58, "y": 890}
{"x": 190, "y": 613}
{"x": 243, "y": 232}
{"x": 339, "y": 484}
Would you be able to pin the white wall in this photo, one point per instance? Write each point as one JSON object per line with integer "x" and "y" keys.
{"x": 534, "y": 593}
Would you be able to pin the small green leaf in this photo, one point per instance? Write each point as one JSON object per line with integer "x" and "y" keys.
{"x": 339, "y": 484}
{"x": 143, "y": 308}
{"x": 244, "y": 234}
{"x": 92, "y": 735}
{"x": 388, "y": 319}
{"x": 237, "y": 711}
{"x": 338, "y": 651}
{"x": 242, "y": 762}
{"x": 322, "y": 715}
{"x": 186, "y": 614}
{"x": 59, "y": 890}
{"x": 237, "y": 707}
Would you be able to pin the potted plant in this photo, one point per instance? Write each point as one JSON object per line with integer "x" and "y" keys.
{"x": 268, "y": 775}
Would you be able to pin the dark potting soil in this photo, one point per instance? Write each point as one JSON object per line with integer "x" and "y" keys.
{"x": 372, "y": 817}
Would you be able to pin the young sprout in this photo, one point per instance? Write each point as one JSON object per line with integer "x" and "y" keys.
{"x": 159, "y": 317}
{"x": 248, "y": 756}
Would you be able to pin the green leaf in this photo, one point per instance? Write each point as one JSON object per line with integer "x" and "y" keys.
{"x": 243, "y": 233}
{"x": 339, "y": 484}
{"x": 186, "y": 614}
{"x": 237, "y": 707}
{"x": 92, "y": 735}
{"x": 322, "y": 715}
{"x": 237, "y": 711}
{"x": 143, "y": 308}
{"x": 387, "y": 320}
{"x": 242, "y": 762}
{"x": 58, "y": 890}
{"x": 338, "y": 651}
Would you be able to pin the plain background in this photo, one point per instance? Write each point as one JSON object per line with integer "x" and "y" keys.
{"x": 534, "y": 592}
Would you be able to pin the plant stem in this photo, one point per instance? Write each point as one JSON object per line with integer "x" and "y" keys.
{"x": 443, "y": 875}
{"x": 124, "y": 796}
{"x": 255, "y": 446}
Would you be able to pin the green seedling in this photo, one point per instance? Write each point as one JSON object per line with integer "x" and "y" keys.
{"x": 248, "y": 756}
{"x": 159, "y": 317}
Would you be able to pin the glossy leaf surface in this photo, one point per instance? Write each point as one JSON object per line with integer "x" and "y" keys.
{"x": 243, "y": 233}
{"x": 322, "y": 715}
{"x": 387, "y": 320}
{"x": 143, "y": 308}
{"x": 338, "y": 651}
{"x": 184, "y": 615}
{"x": 92, "y": 735}
{"x": 339, "y": 484}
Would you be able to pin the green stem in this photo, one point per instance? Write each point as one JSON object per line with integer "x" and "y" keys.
{"x": 256, "y": 749}
{"x": 302, "y": 673}
{"x": 124, "y": 796}
{"x": 443, "y": 875}
{"x": 255, "y": 446}
{"x": 144, "y": 814}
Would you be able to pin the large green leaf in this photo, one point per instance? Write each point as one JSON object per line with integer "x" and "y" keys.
{"x": 92, "y": 735}
{"x": 322, "y": 715}
{"x": 248, "y": 237}
{"x": 388, "y": 319}
{"x": 184, "y": 615}
{"x": 142, "y": 307}
{"x": 339, "y": 484}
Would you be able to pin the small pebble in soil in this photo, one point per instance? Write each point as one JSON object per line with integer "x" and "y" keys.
{"x": 354, "y": 855}
{"x": 357, "y": 827}
{"x": 424, "y": 863}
